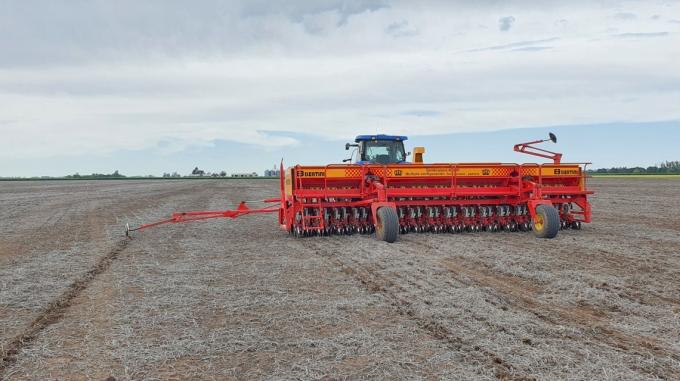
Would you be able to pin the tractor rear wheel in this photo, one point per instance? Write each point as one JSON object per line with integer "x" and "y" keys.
{"x": 547, "y": 222}
{"x": 387, "y": 228}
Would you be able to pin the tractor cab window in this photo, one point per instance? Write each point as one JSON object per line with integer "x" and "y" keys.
{"x": 383, "y": 151}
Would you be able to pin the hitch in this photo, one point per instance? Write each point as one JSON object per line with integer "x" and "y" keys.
{"x": 181, "y": 217}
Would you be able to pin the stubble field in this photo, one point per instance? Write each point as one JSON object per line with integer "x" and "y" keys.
{"x": 240, "y": 299}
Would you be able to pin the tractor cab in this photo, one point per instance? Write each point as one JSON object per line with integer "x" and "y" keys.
{"x": 378, "y": 149}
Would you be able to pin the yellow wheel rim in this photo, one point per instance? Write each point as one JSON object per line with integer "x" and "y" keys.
{"x": 538, "y": 222}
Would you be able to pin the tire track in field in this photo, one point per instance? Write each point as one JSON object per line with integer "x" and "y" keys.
{"x": 64, "y": 236}
{"x": 605, "y": 262}
{"x": 375, "y": 282}
{"x": 518, "y": 293}
{"x": 54, "y": 312}
{"x": 590, "y": 322}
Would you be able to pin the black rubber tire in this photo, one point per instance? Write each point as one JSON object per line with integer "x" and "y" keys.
{"x": 551, "y": 222}
{"x": 387, "y": 228}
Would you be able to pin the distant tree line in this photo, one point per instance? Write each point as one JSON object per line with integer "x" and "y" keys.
{"x": 174, "y": 174}
{"x": 114, "y": 175}
{"x": 201, "y": 173}
{"x": 665, "y": 168}
{"x": 196, "y": 172}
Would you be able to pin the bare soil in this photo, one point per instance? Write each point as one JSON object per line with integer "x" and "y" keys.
{"x": 241, "y": 299}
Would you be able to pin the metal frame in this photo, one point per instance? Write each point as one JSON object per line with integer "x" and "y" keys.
{"x": 304, "y": 211}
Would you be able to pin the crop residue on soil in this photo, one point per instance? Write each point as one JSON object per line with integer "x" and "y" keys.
{"x": 240, "y": 299}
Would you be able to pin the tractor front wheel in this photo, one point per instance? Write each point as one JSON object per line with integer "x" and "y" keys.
{"x": 546, "y": 222}
{"x": 387, "y": 228}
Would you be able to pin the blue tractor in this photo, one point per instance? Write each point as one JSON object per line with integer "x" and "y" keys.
{"x": 378, "y": 149}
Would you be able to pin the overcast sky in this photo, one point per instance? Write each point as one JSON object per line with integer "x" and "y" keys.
{"x": 96, "y": 81}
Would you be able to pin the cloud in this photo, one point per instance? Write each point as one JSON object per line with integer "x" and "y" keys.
{"x": 514, "y": 45}
{"x": 169, "y": 75}
{"x": 330, "y": 15}
{"x": 160, "y": 30}
{"x": 641, "y": 35}
{"x": 421, "y": 113}
{"x": 297, "y": 10}
{"x": 505, "y": 23}
{"x": 625, "y": 16}
{"x": 400, "y": 29}
{"x": 531, "y": 49}
{"x": 561, "y": 23}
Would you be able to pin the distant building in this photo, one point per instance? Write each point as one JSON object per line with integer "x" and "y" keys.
{"x": 272, "y": 172}
{"x": 252, "y": 174}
